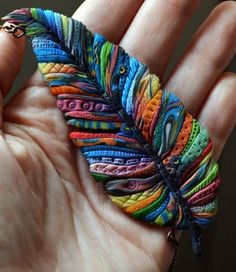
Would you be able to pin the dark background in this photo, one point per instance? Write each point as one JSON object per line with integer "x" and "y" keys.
{"x": 219, "y": 239}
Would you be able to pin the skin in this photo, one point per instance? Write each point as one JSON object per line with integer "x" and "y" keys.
{"x": 53, "y": 215}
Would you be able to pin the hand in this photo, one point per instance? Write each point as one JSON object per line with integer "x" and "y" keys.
{"x": 54, "y": 217}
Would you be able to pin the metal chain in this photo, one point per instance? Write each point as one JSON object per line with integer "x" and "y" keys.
{"x": 16, "y": 30}
{"x": 172, "y": 238}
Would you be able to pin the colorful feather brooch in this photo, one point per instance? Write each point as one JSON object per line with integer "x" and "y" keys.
{"x": 153, "y": 158}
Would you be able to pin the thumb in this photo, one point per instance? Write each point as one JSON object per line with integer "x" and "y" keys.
{"x": 11, "y": 55}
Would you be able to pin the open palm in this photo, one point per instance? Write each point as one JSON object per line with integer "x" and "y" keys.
{"x": 54, "y": 217}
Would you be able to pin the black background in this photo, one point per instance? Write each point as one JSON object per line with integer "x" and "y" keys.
{"x": 219, "y": 239}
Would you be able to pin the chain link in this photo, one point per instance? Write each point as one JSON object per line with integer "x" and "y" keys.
{"x": 16, "y": 30}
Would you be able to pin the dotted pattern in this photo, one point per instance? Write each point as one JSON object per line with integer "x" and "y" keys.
{"x": 154, "y": 159}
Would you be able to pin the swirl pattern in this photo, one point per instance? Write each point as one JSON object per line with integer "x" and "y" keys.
{"x": 154, "y": 159}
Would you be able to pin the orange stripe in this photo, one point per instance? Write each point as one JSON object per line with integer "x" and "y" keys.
{"x": 144, "y": 203}
{"x": 66, "y": 90}
{"x": 148, "y": 114}
{"x": 108, "y": 141}
{"x": 182, "y": 139}
{"x": 205, "y": 215}
{"x": 49, "y": 68}
{"x": 141, "y": 100}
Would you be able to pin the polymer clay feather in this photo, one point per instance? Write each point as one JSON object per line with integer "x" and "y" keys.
{"x": 153, "y": 157}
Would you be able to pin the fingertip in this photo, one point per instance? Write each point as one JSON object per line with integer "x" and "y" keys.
{"x": 11, "y": 56}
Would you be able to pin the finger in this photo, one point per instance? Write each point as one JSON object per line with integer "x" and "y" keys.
{"x": 219, "y": 111}
{"x": 206, "y": 58}
{"x": 11, "y": 55}
{"x": 98, "y": 15}
{"x": 155, "y": 31}
{"x": 108, "y": 17}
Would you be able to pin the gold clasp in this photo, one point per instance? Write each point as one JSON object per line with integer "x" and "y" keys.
{"x": 16, "y": 30}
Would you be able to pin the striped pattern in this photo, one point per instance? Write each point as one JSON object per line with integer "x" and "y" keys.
{"x": 154, "y": 159}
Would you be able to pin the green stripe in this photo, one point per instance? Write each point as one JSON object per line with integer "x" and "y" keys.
{"x": 205, "y": 182}
{"x": 157, "y": 203}
{"x": 100, "y": 177}
{"x": 105, "y": 59}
